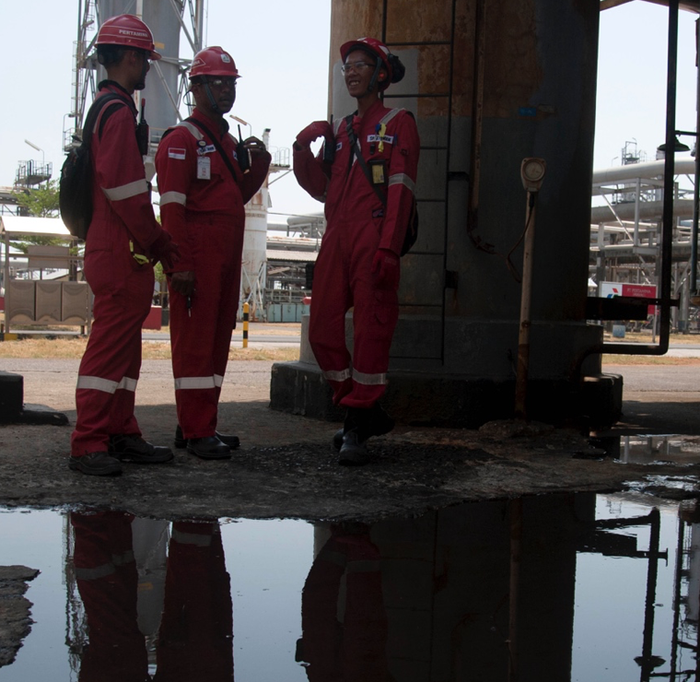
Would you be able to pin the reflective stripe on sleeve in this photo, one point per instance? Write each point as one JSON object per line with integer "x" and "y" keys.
{"x": 392, "y": 112}
{"x": 193, "y": 129}
{"x": 332, "y": 375}
{"x": 368, "y": 379}
{"x": 127, "y": 191}
{"x": 402, "y": 179}
{"x": 173, "y": 198}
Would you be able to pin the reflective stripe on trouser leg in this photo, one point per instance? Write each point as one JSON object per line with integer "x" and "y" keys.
{"x": 201, "y": 338}
{"x": 111, "y": 364}
{"x": 329, "y": 303}
{"x": 107, "y": 580}
{"x": 197, "y": 601}
{"x": 340, "y": 382}
{"x": 375, "y": 316}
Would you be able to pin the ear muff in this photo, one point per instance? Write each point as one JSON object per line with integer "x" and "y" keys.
{"x": 397, "y": 68}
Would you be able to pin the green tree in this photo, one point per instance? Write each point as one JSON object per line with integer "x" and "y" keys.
{"x": 41, "y": 202}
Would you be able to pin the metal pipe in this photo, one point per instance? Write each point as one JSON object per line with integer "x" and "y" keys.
{"x": 523, "y": 367}
{"x": 667, "y": 222}
{"x": 645, "y": 171}
{"x": 696, "y": 188}
{"x": 667, "y": 214}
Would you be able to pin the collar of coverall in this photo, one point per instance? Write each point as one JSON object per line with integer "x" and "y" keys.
{"x": 196, "y": 113}
{"x": 115, "y": 87}
{"x": 378, "y": 104}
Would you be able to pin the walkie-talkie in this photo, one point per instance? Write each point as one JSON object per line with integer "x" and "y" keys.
{"x": 243, "y": 154}
{"x": 142, "y": 130}
{"x": 329, "y": 147}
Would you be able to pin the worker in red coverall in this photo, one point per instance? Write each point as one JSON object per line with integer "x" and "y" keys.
{"x": 343, "y": 618}
{"x": 358, "y": 265}
{"x": 195, "y": 638}
{"x": 123, "y": 240}
{"x": 205, "y": 177}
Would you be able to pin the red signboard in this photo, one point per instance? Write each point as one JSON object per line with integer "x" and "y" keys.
{"x": 640, "y": 291}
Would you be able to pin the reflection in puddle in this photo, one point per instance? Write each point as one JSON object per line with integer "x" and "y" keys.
{"x": 650, "y": 448}
{"x": 558, "y": 587}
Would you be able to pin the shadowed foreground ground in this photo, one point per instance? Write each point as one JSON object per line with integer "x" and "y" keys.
{"x": 286, "y": 467}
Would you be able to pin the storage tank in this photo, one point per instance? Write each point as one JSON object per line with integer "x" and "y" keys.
{"x": 254, "y": 265}
{"x": 491, "y": 83}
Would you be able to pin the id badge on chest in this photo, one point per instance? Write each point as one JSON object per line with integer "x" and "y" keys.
{"x": 378, "y": 168}
{"x": 203, "y": 168}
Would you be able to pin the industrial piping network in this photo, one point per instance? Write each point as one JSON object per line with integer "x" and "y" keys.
{"x": 669, "y": 168}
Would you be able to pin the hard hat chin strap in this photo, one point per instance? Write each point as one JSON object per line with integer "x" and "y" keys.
{"x": 375, "y": 77}
{"x": 211, "y": 99}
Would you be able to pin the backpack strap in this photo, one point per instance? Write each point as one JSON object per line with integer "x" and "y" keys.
{"x": 97, "y": 111}
{"x": 388, "y": 116}
{"x": 215, "y": 142}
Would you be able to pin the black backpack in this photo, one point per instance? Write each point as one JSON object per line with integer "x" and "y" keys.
{"x": 75, "y": 182}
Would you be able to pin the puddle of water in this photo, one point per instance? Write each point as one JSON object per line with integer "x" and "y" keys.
{"x": 583, "y": 587}
{"x": 671, "y": 448}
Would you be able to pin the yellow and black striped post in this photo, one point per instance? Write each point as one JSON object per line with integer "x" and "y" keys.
{"x": 246, "y": 312}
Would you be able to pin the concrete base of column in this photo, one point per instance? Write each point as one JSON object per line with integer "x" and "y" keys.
{"x": 14, "y": 411}
{"x": 440, "y": 400}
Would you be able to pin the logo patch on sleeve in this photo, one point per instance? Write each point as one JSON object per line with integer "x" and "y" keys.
{"x": 176, "y": 153}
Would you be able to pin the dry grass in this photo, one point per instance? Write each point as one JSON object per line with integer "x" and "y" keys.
{"x": 647, "y": 360}
{"x": 74, "y": 347}
{"x": 646, "y": 337}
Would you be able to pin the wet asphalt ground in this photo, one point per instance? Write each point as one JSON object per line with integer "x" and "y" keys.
{"x": 286, "y": 467}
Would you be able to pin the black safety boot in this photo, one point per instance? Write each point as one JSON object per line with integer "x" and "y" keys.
{"x": 181, "y": 442}
{"x": 353, "y": 451}
{"x": 209, "y": 447}
{"x": 372, "y": 422}
{"x": 96, "y": 464}
{"x": 132, "y": 448}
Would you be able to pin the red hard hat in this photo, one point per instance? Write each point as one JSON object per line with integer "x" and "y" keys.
{"x": 128, "y": 31}
{"x": 374, "y": 47}
{"x": 213, "y": 61}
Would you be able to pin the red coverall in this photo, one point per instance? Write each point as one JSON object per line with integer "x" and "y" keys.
{"x": 356, "y": 226}
{"x": 206, "y": 219}
{"x": 123, "y": 223}
{"x": 352, "y": 646}
{"x": 195, "y": 638}
{"x": 105, "y": 572}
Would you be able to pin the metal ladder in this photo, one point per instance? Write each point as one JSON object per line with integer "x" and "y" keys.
{"x": 448, "y": 278}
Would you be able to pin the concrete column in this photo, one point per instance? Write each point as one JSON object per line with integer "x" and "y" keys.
{"x": 490, "y": 83}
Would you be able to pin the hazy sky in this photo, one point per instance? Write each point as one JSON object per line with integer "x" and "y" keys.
{"x": 281, "y": 49}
